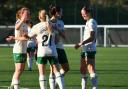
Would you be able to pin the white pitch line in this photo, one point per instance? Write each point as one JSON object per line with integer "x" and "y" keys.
{"x": 8, "y": 86}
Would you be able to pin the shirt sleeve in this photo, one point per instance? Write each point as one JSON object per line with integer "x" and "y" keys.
{"x": 61, "y": 25}
{"x": 92, "y": 25}
{"x": 33, "y": 31}
{"x": 17, "y": 22}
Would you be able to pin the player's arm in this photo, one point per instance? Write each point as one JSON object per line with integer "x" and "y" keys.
{"x": 62, "y": 34}
{"x": 49, "y": 27}
{"x": 23, "y": 18}
{"x": 22, "y": 38}
{"x": 61, "y": 30}
{"x": 25, "y": 37}
{"x": 89, "y": 40}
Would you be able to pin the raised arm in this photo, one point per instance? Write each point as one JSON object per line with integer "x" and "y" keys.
{"x": 22, "y": 20}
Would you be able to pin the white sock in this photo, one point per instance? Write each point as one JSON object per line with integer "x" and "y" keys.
{"x": 84, "y": 81}
{"x": 29, "y": 62}
{"x": 43, "y": 82}
{"x": 94, "y": 81}
{"x": 62, "y": 72}
{"x": 15, "y": 83}
{"x": 52, "y": 81}
{"x": 59, "y": 80}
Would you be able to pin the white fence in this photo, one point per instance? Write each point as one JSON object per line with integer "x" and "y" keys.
{"x": 108, "y": 35}
{"x": 104, "y": 33}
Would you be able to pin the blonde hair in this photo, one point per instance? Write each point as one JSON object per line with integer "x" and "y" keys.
{"x": 46, "y": 16}
{"x": 46, "y": 19}
{"x": 20, "y": 11}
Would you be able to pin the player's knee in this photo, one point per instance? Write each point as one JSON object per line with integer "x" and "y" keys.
{"x": 91, "y": 69}
{"x": 55, "y": 68}
{"x": 83, "y": 69}
{"x": 20, "y": 70}
{"x": 66, "y": 69}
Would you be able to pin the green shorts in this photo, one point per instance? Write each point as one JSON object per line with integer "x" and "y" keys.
{"x": 20, "y": 57}
{"x": 62, "y": 58}
{"x": 43, "y": 60}
{"x": 88, "y": 54}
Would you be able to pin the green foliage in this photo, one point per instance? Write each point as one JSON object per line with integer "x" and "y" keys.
{"x": 71, "y": 10}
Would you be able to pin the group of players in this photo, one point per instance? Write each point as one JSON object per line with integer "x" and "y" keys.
{"x": 48, "y": 34}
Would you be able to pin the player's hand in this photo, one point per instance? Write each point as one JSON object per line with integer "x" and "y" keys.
{"x": 10, "y": 38}
{"x": 24, "y": 17}
{"x": 76, "y": 46}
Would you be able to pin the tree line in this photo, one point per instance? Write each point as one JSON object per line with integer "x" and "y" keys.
{"x": 104, "y": 11}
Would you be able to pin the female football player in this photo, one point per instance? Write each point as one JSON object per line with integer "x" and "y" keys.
{"x": 31, "y": 48}
{"x": 89, "y": 49}
{"x": 58, "y": 28}
{"x": 46, "y": 49}
{"x": 20, "y": 47}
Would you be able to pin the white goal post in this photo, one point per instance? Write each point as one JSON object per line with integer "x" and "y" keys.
{"x": 108, "y": 35}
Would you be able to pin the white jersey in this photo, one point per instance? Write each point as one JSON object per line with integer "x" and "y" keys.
{"x": 46, "y": 44}
{"x": 20, "y": 46}
{"x": 91, "y": 25}
{"x": 58, "y": 25}
{"x": 31, "y": 42}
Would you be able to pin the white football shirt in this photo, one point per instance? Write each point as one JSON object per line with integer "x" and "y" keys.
{"x": 91, "y": 25}
{"x": 32, "y": 41}
{"x": 46, "y": 44}
{"x": 20, "y": 46}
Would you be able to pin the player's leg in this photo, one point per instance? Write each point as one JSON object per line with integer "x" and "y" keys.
{"x": 28, "y": 58}
{"x": 35, "y": 54}
{"x": 53, "y": 61}
{"x": 52, "y": 79}
{"x": 19, "y": 68}
{"x": 91, "y": 69}
{"x": 63, "y": 61}
{"x": 83, "y": 70}
{"x": 30, "y": 55}
{"x": 19, "y": 60}
{"x": 42, "y": 77}
{"x": 41, "y": 67}
{"x": 64, "y": 68}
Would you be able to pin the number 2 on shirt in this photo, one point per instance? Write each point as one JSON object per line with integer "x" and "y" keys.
{"x": 46, "y": 40}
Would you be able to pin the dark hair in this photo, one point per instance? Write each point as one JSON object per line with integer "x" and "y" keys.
{"x": 87, "y": 9}
{"x": 54, "y": 9}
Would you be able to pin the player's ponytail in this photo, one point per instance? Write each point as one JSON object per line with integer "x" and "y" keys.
{"x": 54, "y": 9}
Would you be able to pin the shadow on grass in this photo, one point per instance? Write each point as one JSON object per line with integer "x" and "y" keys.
{"x": 4, "y": 81}
{"x": 103, "y": 71}
{"x": 114, "y": 86}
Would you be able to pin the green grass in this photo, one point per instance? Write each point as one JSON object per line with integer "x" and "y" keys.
{"x": 111, "y": 65}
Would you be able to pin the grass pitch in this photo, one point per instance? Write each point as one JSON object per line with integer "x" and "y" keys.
{"x": 111, "y": 65}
